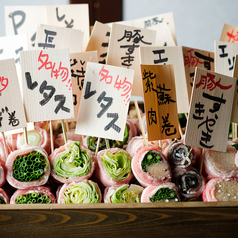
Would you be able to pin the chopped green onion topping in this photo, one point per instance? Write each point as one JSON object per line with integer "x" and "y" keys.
{"x": 83, "y": 192}
{"x": 150, "y": 158}
{"x": 164, "y": 194}
{"x": 32, "y": 198}
{"x": 72, "y": 162}
{"x": 31, "y": 167}
{"x": 118, "y": 165}
{"x": 1, "y": 201}
{"x": 124, "y": 194}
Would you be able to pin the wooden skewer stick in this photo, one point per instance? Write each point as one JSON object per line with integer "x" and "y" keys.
{"x": 25, "y": 135}
{"x": 12, "y": 147}
{"x": 140, "y": 122}
{"x": 64, "y": 132}
{"x": 202, "y": 158}
{"x": 235, "y": 130}
{"x": 4, "y": 144}
{"x": 51, "y": 137}
{"x": 67, "y": 126}
{"x": 180, "y": 130}
{"x": 98, "y": 143}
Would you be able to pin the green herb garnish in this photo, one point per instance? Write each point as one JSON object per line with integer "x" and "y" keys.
{"x": 31, "y": 198}
{"x": 164, "y": 194}
{"x": 31, "y": 167}
{"x": 150, "y": 158}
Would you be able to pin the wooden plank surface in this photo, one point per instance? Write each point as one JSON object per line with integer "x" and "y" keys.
{"x": 184, "y": 219}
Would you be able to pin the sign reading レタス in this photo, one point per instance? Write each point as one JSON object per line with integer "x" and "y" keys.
{"x": 47, "y": 87}
{"x": 105, "y": 101}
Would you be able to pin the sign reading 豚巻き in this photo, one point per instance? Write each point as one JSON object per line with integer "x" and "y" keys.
{"x": 160, "y": 101}
{"x": 105, "y": 101}
{"x": 12, "y": 115}
{"x": 123, "y": 50}
{"x": 47, "y": 87}
{"x": 210, "y": 110}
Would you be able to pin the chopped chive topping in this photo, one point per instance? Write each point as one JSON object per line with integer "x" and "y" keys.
{"x": 32, "y": 198}
{"x": 150, "y": 158}
{"x": 2, "y": 202}
{"x": 164, "y": 194}
{"x": 27, "y": 168}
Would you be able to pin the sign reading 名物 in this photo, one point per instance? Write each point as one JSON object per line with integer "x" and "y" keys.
{"x": 210, "y": 110}
{"x": 12, "y": 115}
{"x": 47, "y": 86}
{"x": 123, "y": 51}
{"x": 196, "y": 58}
{"x": 54, "y": 37}
{"x": 225, "y": 53}
{"x": 99, "y": 41}
{"x": 160, "y": 102}
{"x": 25, "y": 19}
{"x": 105, "y": 101}
{"x": 78, "y": 63}
{"x": 169, "y": 55}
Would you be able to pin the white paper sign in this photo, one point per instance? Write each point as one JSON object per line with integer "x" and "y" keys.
{"x": 47, "y": 92}
{"x": 105, "y": 101}
{"x": 12, "y": 115}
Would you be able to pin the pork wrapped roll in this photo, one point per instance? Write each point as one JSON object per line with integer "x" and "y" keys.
{"x": 113, "y": 167}
{"x": 85, "y": 191}
{"x": 37, "y": 137}
{"x": 3, "y": 172}
{"x": 39, "y": 195}
{"x": 72, "y": 162}
{"x": 221, "y": 164}
{"x": 166, "y": 192}
{"x": 150, "y": 166}
{"x": 4, "y": 198}
{"x": 181, "y": 155}
{"x": 28, "y": 167}
{"x": 221, "y": 189}
{"x": 189, "y": 182}
{"x": 123, "y": 194}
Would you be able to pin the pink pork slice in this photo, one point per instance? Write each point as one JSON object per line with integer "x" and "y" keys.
{"x": 156, "y": 173}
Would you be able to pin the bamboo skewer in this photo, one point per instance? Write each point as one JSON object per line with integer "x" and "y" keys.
{"x": 64, "y": 132}
{"x": 140, "y": 122}
{"x": 25, "y": 135}
{"x": 96, "y": 152}
{"x": 4, "y": 144}
{"x": 51, "y": 137}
